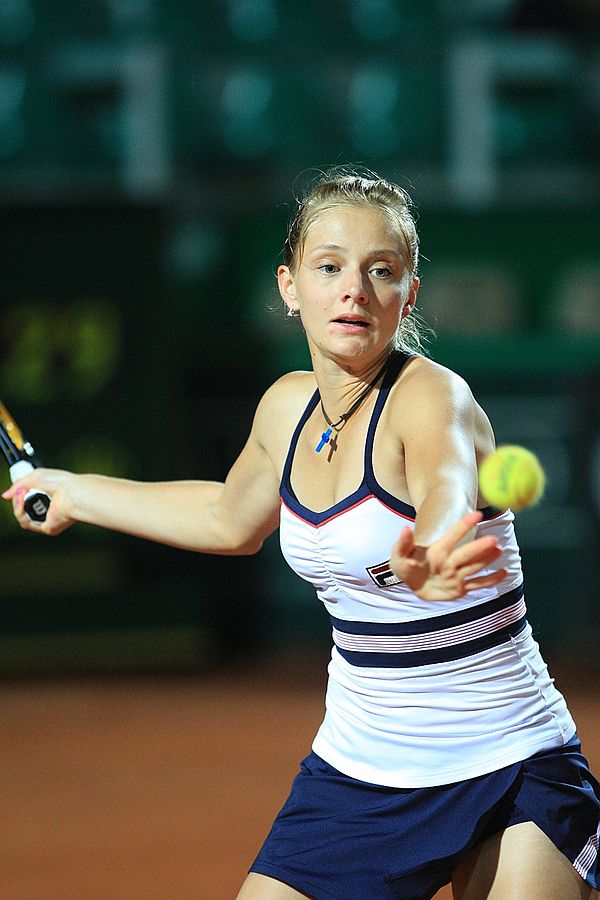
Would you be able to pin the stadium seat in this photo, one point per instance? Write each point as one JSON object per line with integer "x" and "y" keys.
{"x": 471, "y": 298}
{"x": 575, "y": 306}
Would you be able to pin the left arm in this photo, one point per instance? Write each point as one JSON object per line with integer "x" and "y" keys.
{"x": 439, "y": 431}
{"x": 438, "y": 435}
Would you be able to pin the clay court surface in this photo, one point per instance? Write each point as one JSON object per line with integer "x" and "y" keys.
{"x": 160, "y": 788}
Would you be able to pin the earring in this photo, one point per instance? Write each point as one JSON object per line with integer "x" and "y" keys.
{"x": 292, "y": 313}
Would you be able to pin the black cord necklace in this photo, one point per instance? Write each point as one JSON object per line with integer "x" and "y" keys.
{"x": 333, "y": 426}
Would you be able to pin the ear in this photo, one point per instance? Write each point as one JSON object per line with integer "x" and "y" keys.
{"x": 287, "y": 288}
{"x": 412, "y": 297}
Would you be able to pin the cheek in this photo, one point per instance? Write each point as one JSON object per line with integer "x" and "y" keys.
{"x": 392, "y": 302}
{"x": 314, "y": 296}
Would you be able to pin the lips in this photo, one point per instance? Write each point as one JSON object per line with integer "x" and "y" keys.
{"x": 352, "y": 320}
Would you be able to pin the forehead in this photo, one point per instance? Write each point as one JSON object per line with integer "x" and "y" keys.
{"x": 351, "y": 224}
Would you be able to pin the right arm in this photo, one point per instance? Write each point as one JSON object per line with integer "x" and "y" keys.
{"x": 233, "y": 517}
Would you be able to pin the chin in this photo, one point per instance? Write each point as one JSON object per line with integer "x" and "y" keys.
{"x": 357, "y": 351}
{"x": 351, "y": 347}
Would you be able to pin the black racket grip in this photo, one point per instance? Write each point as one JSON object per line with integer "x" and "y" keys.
{"x": 36, "y": 506}
{"x": 36, "y": 503}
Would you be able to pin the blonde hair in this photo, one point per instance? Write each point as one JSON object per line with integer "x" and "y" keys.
{"x": 338, "y": 187}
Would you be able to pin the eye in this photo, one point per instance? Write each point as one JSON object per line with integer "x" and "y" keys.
{"x": 328, "y": 268}
{"x": 381, "y": 271}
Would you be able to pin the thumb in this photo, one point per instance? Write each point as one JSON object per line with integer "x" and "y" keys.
{"x": 405, "y": 544}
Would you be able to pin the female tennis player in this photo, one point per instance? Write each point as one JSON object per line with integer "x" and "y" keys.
{"x": 446, "y": 754}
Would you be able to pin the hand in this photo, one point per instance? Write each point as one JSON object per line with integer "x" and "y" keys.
{"x": 445, "y": 569}
{"x": 53, "y": 482}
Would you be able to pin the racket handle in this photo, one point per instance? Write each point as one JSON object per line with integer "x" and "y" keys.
{"x": 36, "y": 503}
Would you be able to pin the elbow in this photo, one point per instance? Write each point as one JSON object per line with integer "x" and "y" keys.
{"x": 451, "y": 492}
{"x": 242, "y": 548}
{"x": 247, "y": 548}
{"x": 250, "y": 549}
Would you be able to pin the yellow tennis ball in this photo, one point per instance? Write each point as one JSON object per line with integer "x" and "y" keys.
{"x": 512, "y": 477}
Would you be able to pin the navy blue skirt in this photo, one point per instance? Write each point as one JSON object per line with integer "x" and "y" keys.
{"x": 337, "y": 838}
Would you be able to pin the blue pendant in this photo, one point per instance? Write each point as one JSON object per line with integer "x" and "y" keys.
{"x": 324, "y": 440}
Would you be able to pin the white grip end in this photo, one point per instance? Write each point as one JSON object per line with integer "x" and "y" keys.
{"x": 20, "y": 469}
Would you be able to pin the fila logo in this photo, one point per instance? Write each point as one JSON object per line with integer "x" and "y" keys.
{"x": 382, "y": 575}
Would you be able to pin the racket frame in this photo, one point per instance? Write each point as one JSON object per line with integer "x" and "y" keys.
{"x": 20, "y": 457}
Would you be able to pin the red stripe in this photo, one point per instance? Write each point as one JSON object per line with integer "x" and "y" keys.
{"x": 342, "y": 511}
{"x": 377, "y": 570}
{"x": 395, "y": 511}
{"x": 331, "y": 518}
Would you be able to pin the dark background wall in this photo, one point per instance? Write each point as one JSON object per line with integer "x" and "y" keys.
{"x": 148, "y": 157}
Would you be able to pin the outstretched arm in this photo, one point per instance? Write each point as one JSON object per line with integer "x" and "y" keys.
{"x": 439, "y": 432}
{"x": 233, "y": 517}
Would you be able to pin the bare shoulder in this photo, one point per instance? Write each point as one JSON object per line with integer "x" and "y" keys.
{"x": 293, "y": 390}
{"x": 280, "y": 408}
{"x": 429, "y": 381}
{"x": 429, "y": 395}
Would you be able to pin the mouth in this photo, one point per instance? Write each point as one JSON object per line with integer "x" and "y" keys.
{"x": 351, "y": 321}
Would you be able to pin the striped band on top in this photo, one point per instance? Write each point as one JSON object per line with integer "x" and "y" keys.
{"x": 436, "y": 639}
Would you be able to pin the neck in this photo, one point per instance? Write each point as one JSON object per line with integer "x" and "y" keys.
{"x": 341, "y": 383}
{"x": 329, "y": 436}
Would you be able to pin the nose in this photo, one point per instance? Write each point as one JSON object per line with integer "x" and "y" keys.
{"x": 355, "y": 287}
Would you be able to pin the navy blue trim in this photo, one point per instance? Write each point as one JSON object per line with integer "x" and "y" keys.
{"x": 429, "y": 657}
{"x": 424, "y": 626}
{"x": 285, "y": 488}
{"x": 286, "y": 491}
{"x": 369, "y": 484}
{"x": 319, "y": 518}
{"x": 433, "y": 623}
{"x": 364, "y": 489}
{"x": 489, "y": 512}
{"x": 405, "y": 509}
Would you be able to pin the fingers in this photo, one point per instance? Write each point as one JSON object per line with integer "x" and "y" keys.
{"x": 448, "y": 571}
{"x": 471, "y": 558}
{"x": 481, "y": 551}
{"x": 405, "y": 543}
{"x": 26, "y": 487}
{"x": 14, "y": 490}
{"x": 20, "y": 488}
{"x": 459, "y": 530}
{"x": 18, "y": 494}
{"x": 457, "y": 574}
{"x": 484, "y": 581}
{"x": 468, "y": 571}
{"x": 409, "y": 570}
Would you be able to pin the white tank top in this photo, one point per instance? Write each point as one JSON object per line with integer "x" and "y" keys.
{"x": 420, "y": 693}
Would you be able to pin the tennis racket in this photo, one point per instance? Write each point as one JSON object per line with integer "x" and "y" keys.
{"x": 21, "y": 460}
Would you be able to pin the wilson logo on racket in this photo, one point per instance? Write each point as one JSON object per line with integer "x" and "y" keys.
{"x": 382, "y": 575}
{"x": 21, "y": 460}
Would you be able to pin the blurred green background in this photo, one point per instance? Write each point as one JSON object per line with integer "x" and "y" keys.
{"x": 149, "y": 154}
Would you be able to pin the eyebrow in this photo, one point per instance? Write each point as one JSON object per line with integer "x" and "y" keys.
{"x": 328, "y": 247}
{"x": 387, "y": 251}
